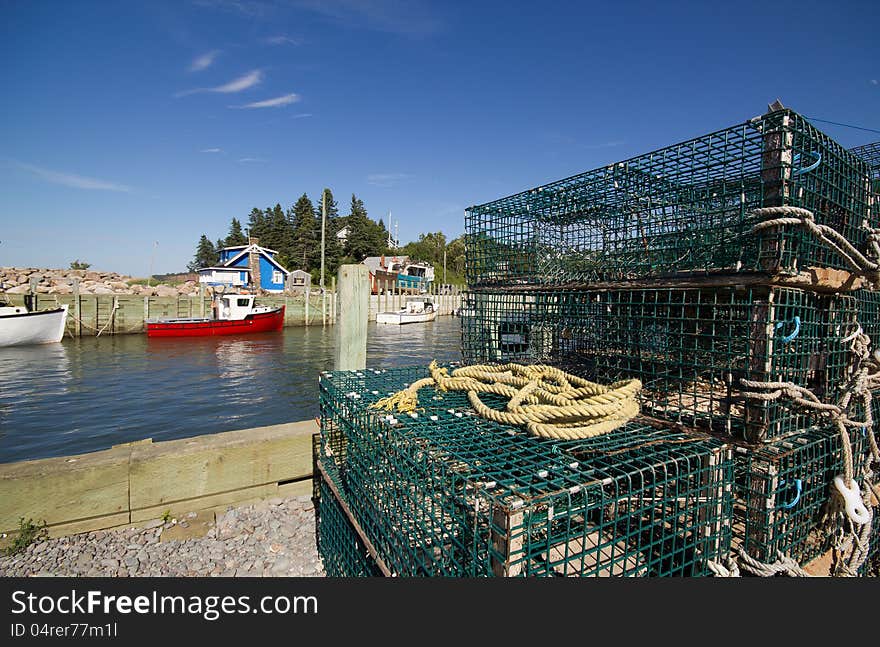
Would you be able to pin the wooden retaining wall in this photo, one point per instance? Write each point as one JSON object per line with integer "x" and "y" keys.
{"x": 118, "y": 314}
{"x": 136, "y": 482}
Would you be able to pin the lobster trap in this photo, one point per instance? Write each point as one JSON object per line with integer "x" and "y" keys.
{"x": 683, "y": 209}
{"x": 784, "y": 495}
{"x": 870, "y": 153}
{"x": 341, "y": 548}
{"x": 690, "y": 348}
{"x": 869, "y": 313}
{"x": 442, "y": 491}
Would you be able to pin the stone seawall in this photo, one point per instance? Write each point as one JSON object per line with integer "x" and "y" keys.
{"x": 17, "y": 280}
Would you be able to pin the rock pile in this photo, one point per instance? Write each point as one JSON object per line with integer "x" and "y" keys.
{"x": 16, "y": 280}
{"x": 271, "y": 538}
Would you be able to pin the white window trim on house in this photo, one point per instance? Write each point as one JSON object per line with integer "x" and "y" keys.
{"x": 277, "y": 277}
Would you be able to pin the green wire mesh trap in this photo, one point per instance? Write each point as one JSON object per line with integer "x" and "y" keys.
{"x": 690, "y": 347}
{"x": 342, "y": 550}
{"x": 444, "y": 492}
{"x": 870, "y": 153}
{"x": 783, "y": 491}
{"x": 682, "y": 209}
{"x": 869, "y": 314}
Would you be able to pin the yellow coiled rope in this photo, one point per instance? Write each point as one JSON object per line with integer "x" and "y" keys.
{"x": 549, "y": 402}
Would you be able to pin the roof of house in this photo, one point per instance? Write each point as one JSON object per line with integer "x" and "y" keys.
{"x": 271, "y": 251}
{"x": 263, "y": 252}
{"x": 377, "y": 260}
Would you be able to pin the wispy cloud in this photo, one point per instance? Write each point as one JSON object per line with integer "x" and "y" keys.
{"x": 283, "y": 40}
{"x": 301, "y": 115}
{"x": 251, "y": 159}
{"x": 204, "y": 61}
{"x": 387, "y": 180}
{"x": 875, "y": 82}
{"x": 277, "y": 102}
{"x": 244, "y": 82}
{"x": 405, "y": 17}
{"x": 605, "y": 145}
{"x": 72, "y": 179}
{"x": 246, "y": 7}
{"x": 211, "y": 150}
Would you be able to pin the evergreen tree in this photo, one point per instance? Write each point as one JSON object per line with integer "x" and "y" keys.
{"x": 256, "y": 224}
{"x": 206, "y": 255}
{"x": 306, "y": 248}
{"x": 365, "y": 238}
{"x": 277, "y": 234}
{"x": 236, "y": 235}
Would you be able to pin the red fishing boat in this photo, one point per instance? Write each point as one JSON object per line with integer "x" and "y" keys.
{"x": 233, "y": 314}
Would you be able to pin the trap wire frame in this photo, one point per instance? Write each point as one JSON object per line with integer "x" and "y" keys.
{"x": 340, "y": 546}
{"x": 870, "y": 153}
{"x": 690, "y": 347}
{"x": 444, "y": 492}
{"x": 783, "y": 491}
{"x": 679, "y": 210}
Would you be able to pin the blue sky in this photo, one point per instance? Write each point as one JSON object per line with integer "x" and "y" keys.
{"x": 127, "y": 124}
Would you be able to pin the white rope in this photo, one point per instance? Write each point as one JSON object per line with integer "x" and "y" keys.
{"x": 798, "y": 217}
{"x": 782, "y": 566}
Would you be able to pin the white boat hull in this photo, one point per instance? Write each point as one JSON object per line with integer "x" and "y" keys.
{"x": 42, "y": 327}
{"x": 400, "y": 318}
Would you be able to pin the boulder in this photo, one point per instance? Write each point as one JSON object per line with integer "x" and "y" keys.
{"x": 60, "y": 289}
{"x": 18, "y": 289}
{"x": 101, "y": 289}
{"x": 166, "y": 291}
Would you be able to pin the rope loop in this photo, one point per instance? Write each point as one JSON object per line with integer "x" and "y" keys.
{"x": 547, "y": 401}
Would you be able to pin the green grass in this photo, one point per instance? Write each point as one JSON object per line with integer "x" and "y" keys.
{"x": 28, "y": 533}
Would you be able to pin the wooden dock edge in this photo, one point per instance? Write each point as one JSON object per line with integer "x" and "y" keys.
{"x": 136, "y": 482}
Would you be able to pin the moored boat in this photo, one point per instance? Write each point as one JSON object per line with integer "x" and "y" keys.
{"x": 233, "y": 314}
{"x": 20, "y": 326}
{"x": 415, "y": 310}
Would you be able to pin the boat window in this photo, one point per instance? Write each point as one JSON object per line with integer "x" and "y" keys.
{"x": 244, "y": 302}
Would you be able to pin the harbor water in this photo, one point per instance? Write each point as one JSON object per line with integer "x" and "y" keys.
{"x": 88, "y": 394}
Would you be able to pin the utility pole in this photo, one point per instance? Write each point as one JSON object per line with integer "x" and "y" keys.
{"x": 152, "y": 258}
{"x": 323, "y": 243}
{"x": 444, "y": 264}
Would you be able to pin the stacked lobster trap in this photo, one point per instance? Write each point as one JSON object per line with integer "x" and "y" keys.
{"x": 734, "y": 277}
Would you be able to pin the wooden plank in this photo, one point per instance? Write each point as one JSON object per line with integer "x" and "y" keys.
{"x": 190, "y": 468}
{"x": 351, "y": 335}
{"x": 236, "y": 498}
{"x": 65, "y": 489}
{"x": 812, "y": 278}
{"x": 504, "y": 523}
{"x": 821, "y": 566}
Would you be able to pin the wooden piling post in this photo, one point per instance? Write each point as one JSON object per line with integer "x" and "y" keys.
{"x": 306, "y": 294}
{"x": 354, "y": 306}
{"x": 77, "y": 308}
{"x": 201, "y": 299}
{"x": 333, "y": 299}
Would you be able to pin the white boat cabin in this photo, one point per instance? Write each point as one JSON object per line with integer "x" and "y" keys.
{"x": 420, "y": 304}
{"x": 234, "y": 307}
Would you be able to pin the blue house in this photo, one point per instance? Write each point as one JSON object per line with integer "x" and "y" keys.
{"x": 247, "y": 266}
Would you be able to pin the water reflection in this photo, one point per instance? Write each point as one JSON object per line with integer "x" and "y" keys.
{"x": 88, "y": 394}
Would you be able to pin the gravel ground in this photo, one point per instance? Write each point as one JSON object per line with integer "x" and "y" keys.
{"x": 272, "y": 538}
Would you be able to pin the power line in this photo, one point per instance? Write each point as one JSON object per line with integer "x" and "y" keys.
{"x": 837, "y": 123}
